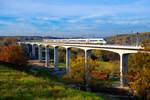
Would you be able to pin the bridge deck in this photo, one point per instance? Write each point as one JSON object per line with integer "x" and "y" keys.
{"x": 124, "y": 47}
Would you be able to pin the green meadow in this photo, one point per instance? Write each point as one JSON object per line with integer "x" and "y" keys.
{"x": 17, "y": 85}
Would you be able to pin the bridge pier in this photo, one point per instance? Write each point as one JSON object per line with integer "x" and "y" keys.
{"x": 87, "y": 55}
{"x": 123, "y": 69}
{"x": 33, "y": 51}
{"x": 68, "y": 55}
{"x": 46, "y": 56}
{"x": 30, "y": 50}
{"x": 56, "y": 57}
{"x": 27, "y": 49}
{"x": 40, "y": 53}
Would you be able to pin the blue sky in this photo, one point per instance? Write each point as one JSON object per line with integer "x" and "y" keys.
{"x": 65, "y": 18}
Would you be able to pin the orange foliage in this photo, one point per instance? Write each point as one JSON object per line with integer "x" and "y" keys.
{"x": 100, "y": 75}
{"x": 13, "y": 54}
{"x": 132, "y": 77}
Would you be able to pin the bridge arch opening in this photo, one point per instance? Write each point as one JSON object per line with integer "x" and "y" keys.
{"x": 108, "y": 62}
{"x": 34, "y": 51}
{"x": 62, "y": 56}
{"x": 75, "y": 52}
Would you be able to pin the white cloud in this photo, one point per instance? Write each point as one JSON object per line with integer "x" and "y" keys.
{"x": 13, "y": 28}
{"x": 6, "y": 22}
{"x": 100, "y": 21}
{"x": 49, "y": 18}
{"x": 129, "y": 22}
{"x": 75, "y": 20}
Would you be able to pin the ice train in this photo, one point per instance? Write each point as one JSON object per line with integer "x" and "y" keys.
{"x": 89, "y": 40}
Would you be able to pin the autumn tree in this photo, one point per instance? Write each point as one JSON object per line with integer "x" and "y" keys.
{"x": 79, "y": 71}
{"x": 13, "y": 54}
{"x": 146, "y": 44}
{"x": 138, "y": 61}
{"x": 85, "y": 74}
{"x": 140, "y": 69}
{"x": 9, "y": 40}
{"x": 141, "y": 85}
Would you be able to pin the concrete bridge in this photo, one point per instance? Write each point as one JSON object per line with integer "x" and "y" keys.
{"x": 123, "y": 52}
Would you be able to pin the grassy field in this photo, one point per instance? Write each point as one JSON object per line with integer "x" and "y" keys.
{"x": 16, "y": 85}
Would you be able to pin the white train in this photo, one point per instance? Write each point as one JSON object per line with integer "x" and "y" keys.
{"x": 90, "y": 40}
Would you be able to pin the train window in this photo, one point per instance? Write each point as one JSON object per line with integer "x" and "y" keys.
{"x": 93, "y": 40}
{"x": 82, "y": 40}
{"x": 101, "y": 40}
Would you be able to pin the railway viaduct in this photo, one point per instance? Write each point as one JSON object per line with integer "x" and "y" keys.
{"x": 123, "y": 52}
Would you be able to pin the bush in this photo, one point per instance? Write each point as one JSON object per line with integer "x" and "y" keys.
{"x": 13, "y": 54}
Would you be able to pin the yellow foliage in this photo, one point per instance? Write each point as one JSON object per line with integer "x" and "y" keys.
{"x": 79, "y": 71}
{"x": 141, "y": 86}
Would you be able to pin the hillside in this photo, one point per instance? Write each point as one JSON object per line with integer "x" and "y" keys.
{"x": 128, "y": 39}
{"x": 123, "y": 39}
{"x": 16, "y": 85}
{"x": 28, "y": 38}
{"x": 38, "y": 84}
